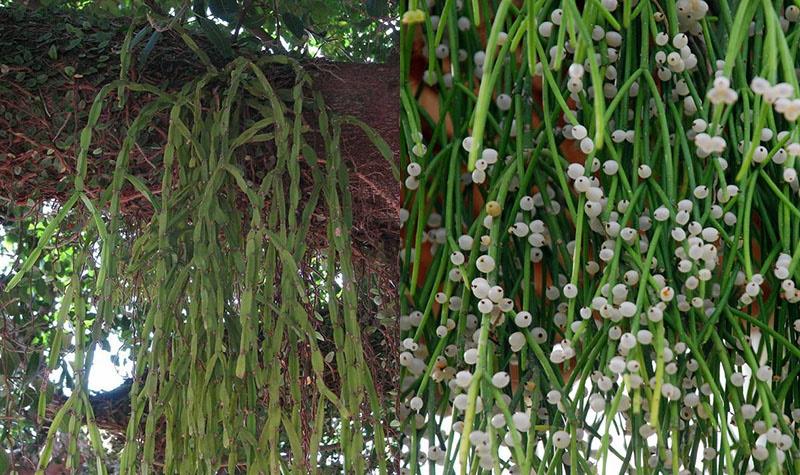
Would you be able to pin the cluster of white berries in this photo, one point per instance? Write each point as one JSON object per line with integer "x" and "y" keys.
{"x": 690, "y": 15}
{"x": 650, "y": 258}
{"x": 779, "y": 95}
{"x": 706, "y": 144}
{"x": 783, "y": 273}
{"x": 414, "y": 169}
{"x": 721, "y": 92}
{"x": 675, "y": 62}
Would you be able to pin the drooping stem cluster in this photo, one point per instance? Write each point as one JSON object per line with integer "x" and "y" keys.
{"x": 601, "y": 225}
{"x": 223, "y": 303}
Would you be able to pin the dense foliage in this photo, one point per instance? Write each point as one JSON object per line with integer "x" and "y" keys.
{"x": 352, "y": 30}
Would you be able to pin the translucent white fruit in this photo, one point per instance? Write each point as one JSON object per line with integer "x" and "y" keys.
{"x": 760, "y": 453}
{"x": 627, "y": 341}
{"x": 463, "y": 379}
{"x": 519, "y": 229}
{"x": 553, "y": 396}
{"x": 598, "y": 404}
{"x": 764, "y": 373}
{"x": 574, "y": 170}
{"x": 610, "y": 167}
{"x": 561, "y": 439}
{"x": 471, "y": 356}
{"x": 616, "y": 365}
{"x": 410, "y": 344}
{"x": 461, "y": 402}
{"x": 579, "y": 132}
{"x": 627, "y": 309}
{"x": 523, "y": 319}
{"x": 465, "y": 242}
{"x": 485, "y": 263}
{"x": 498, "y": 421}
{"x": 575, "y": 70}
{"x": 521, "y": 421}
{"x": 789, "y": 175}
{"x": 593, "y": 209}
{"x": 760, "y": 154}
{"x": 501, "y": 379}
{"x": 654, "y": 314}
{"x": 503, "y": 102}
{"x": 496, "y": 293}
{"x": 594, "y": 193}
{"x": 480, "y": 287}
{"x": 556, "y": 16}
{"x": 661, "y": 213}
{"x": 752, "y": 289}
{"x": 546, "y": 29}
{"x": 516, "y": 340}
{"x": 526, "y": 203}
{"x": 582, "y": 184}
{"x": 570, "y": 291}
{"x": 699, "y": 125}
{"x": 490, "y": 155}
{"x": 485, "y": 306}
{"x": 587, "y": 145}
{"x": 773, "y": 435}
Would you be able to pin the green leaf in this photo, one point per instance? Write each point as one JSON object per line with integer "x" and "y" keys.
{"x": 53, "y": 52}
{"x": 3, "y": 462}
{"x": 199, "y": 7}
{"x": 240, "y": 366}
{"x": 74, "y": 30}
{"x": 9, "y": 361}
{"x": 216, "y": 36}
{"x": 142, "y": 188}
{"x": 148, "y": 48}
{"x": 294, "y": 24}
{"x": 253, "y": 18}
{"x": 72, "y": 44}
{"x": 140, "y": 35}
{"x": 33, "y": 365}
{"x": 48, "y": 233}
{"x": 224, "y": 9}
{"x": 376, "y": 8}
